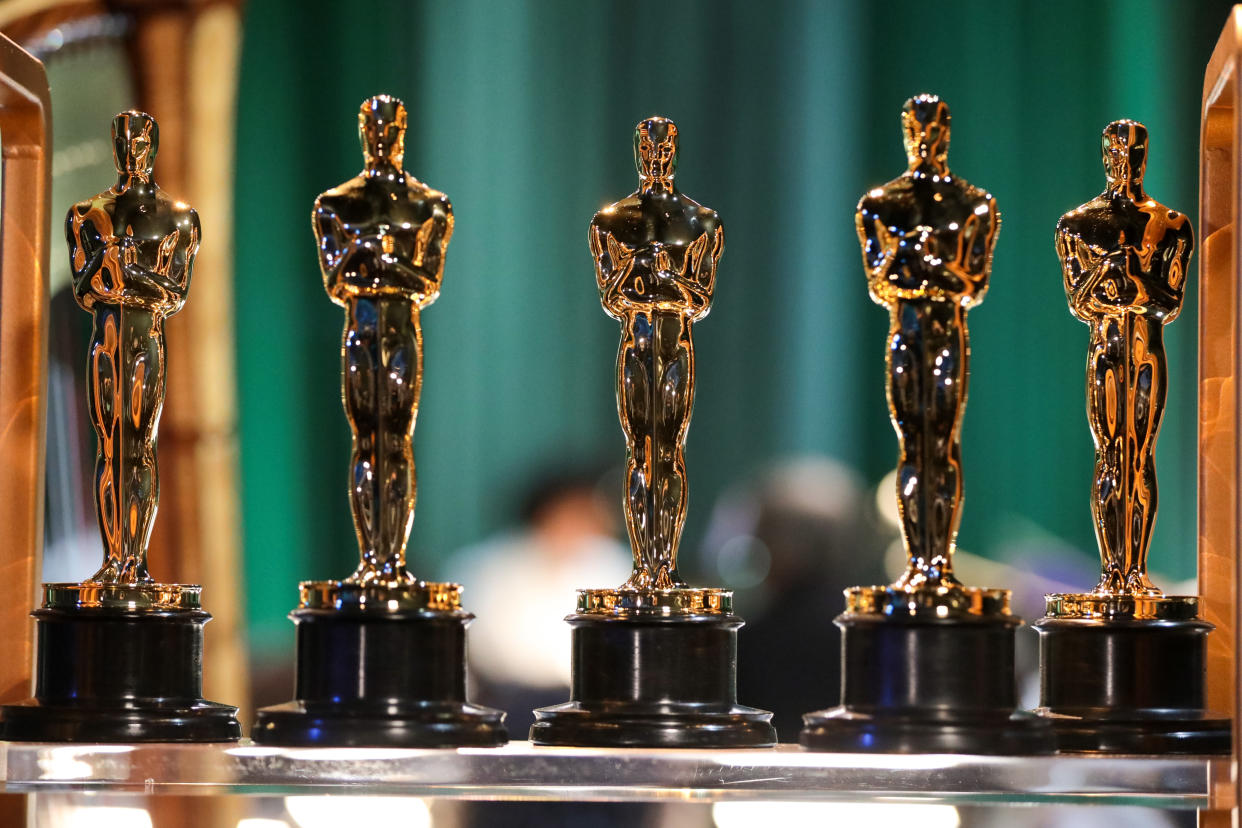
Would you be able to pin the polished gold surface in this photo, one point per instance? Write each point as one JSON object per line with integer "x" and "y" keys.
{"x": 927, "y": 238}
{"x": 382, "y": 237}
{"x": 933, "y": 602}
{"x": 420, "y": 595}
{"x": 122, "y": 596}
{"x": 1124, "y": 258}
{"x": 655, "y": 253}
{"x": 1092, "y": 605}
{"x": 131, "y": 250}
{"x": 682, "y": 601}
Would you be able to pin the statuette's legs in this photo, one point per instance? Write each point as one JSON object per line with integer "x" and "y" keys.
{"x": 381, "y": 374}
{"x": 655, "y": 365}
{"x": 927, "y": 361}
{"x": 1126, "y": 387}
{"x": 125, "y": 395}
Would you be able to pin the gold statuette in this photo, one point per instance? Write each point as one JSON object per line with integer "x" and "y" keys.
{"x": 656, "y": 253}
{"x": 132, "y": 248}
{"x": 382, "y": 237}
{"x": 927, "y": 238}
{"x": 381, "y": 654}
{"x": 1124, "y": 259}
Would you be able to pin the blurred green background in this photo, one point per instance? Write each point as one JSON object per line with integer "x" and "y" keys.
{"x": 522, "y": 112}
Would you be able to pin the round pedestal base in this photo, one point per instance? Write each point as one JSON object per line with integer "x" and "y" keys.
{"x": 379, "y": 678}
{"x": 654, "y": 682}
{"x": 667, "y": 726}
{"x": 1128, "y": 685}
{"x": 844, "y": 731}
{"x": 109, "y": 675}
{"x": 927, "y": 685}
{"x": 429, "y": 725}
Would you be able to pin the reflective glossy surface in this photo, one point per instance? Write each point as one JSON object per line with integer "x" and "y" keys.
{"x": 656, "y": 253}
{"x": 927, "y": 239}
{"x": 683, "y": 600}
{"x": 523, "y": 771}
{"x": 132, "y": 249}
{"x": 1124, "y": 258}
{"x": 382, "y": 237}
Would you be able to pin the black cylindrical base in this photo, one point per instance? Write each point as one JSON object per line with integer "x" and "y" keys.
{"x": 107, "y": 675}
{"x": 654, "y": 682}
{"x": 1128, "y": 686}
{"x": 375, "y": 678}
{"x": 925, "y": 685}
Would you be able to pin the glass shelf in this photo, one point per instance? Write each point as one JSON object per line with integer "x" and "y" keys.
{"x": 523, "y": 771}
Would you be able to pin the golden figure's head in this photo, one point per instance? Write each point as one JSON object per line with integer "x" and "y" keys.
{"x": 925, "y": 127}
{"x": 381, "y": 129}
{"x": 655, "y": 151}
{"x": 135, "y": 141}
{"x": 1124, "y": 148}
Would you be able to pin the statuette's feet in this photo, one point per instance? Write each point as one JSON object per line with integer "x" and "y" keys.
{"x": 1137, "y": 584}
{"x": 665, "y": 578}
{"x": 931, "y": 578}
{"x": 129, "y": 571}
{"x": 392, "y": 575}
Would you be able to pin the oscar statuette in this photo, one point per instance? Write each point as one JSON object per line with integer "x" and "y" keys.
{"x": 381, "y": 654}
{"x": 654, "y": 660}
{"x": 1122, "y": 668}
{"x": 927, "y": 662}
{"x": 120, "y": 654}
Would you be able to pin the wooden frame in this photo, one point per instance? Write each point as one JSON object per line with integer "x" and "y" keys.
{"x": 25, "y": 134}
{"x": 1220, "y": 507}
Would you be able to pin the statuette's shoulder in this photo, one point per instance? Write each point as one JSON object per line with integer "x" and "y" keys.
{"x": 710, "y": 221}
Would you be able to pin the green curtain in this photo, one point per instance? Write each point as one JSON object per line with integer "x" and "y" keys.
{"x": 522, "y": 112}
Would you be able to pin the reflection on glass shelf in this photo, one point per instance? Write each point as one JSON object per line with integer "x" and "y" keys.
{"x": 77, "y": 815}
{"x": 815, "y": 814}
{"x": 336, "y": 811}
{"x": 521, "y": 771}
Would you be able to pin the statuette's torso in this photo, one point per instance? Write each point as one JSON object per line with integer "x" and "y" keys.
{"x": 384, "y": 234}
{"x": 927, "y": 234}
{"x": 132, "y": 246}
{"x": 1124, "y": 256}
{"x": 656, "y": 250}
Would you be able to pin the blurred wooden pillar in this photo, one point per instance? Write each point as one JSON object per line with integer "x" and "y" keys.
{"x": 185, "y": 60}
{"x": 1220, "y": 565}
{"x": 25, "y": 136}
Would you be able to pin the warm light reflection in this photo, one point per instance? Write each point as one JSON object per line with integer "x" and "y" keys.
{"x": 337, "y": 811}
{"x": 94, "y": 816}
{"x": 798, "y": 814}
{"x": 63, "y": 763}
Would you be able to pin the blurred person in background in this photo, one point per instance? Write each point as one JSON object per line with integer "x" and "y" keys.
{"x": 789, "y": 543}
{"x": 526, "y": 578}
